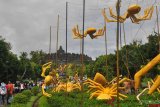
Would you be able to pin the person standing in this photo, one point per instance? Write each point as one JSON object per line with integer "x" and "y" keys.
{"x": 3, "y": 91}
{"x": 9, "y": 91}
{"x": 21, "y": 86}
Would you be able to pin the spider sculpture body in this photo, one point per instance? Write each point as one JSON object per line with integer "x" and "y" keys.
{"x": 132, "y": 13}
{"x": 92, "y": 32}
{"x": 52, "y": 78}
{"x": 104, "y": 92}
{"x": 68, "y": 87}
{"x": 49, "y": 79}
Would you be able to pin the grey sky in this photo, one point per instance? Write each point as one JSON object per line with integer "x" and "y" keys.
{"x": 25, "y": 24}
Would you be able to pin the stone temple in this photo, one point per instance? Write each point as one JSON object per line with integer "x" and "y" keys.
{"x": 71, "y": 57}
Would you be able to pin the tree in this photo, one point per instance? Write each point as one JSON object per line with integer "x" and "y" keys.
{"x": 25, "y": 69}
{"x": 8, "y": 62}
{"x": 38, "y": 57}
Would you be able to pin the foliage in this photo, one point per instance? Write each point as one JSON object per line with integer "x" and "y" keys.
{"x": 35, "y": 90}
{"x": 8, "y": 61}
{"x": 20, "y": 99}
{"x": 25, "y": 66}
{"x": 146, "y": 99}
{"x": 43, "y": 102}
{"x": 73, "y": 100}
{"x": 37, "y": 57}
{"x": 27, "y": 93}
{"x": 100, "y": 66}
{"x": 18, "y": 105}
{"x": 132, "y": 58}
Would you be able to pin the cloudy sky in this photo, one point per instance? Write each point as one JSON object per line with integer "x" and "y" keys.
{"x": 25, "y": 24}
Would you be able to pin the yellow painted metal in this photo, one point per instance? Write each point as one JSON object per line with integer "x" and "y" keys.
{"x": 144, "y": 70}
{"x": 155, "y": 85}
{"x": 99, "y": 78}
{"x": 45, "y": 67}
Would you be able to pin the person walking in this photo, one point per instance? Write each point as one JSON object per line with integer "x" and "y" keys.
{"x": 9, "y": 92}
{"x": 3, "y": 91}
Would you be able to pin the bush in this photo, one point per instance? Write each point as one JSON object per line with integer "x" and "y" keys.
{"x": 18, "y": 105}
{"x": 35, "y": 90}
{"x": 73, "y": 99}
{"x": 20, "y": 98}
{"x": 28, "y": 93}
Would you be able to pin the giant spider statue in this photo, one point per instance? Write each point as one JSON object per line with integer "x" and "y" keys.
{"x": 92, "y": 32}
{"x": 132, "y": 13}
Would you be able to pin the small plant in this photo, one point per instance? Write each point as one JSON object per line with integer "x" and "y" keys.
{"x": 28, "y": 93}
{"x": 73, "y": 99}
{"x": 20, "y": 98}
{"x": 35, "y": 90}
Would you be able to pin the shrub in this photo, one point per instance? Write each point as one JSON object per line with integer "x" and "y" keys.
{"x": 20, "y": 98}
{"x": 35, "y": 90}
{"x": 73, "y": 99}
{"x": 18, "y": 105}
{"x": 28, "y": 93}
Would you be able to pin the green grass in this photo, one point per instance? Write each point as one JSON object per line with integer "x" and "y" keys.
{"x": 33, "y": 98}
{"x": 43, "y": 102}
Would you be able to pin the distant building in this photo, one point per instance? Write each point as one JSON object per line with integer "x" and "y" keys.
{"x": 71, "y": 57}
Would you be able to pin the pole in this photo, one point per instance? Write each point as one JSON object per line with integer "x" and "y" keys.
{"x": 66, "y": 30}
{"x": 106, "y": 49}
{"x": 82, "y": 60}
{"x": 50, "y": 42}
{"x": 57, "y": 42}
{"x": 128, "y": 75}
{"x": 117, "y": 46}
{"x": 66, "y": 49}
{"x": 158, "y": 28}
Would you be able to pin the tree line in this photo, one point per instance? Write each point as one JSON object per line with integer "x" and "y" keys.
{"x": 133, "y": 57}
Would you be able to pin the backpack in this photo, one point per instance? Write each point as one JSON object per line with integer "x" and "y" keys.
{"x": 3, "y": 90}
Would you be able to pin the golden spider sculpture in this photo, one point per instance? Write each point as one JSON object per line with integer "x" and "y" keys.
{"x": 142, "y": 72}
{"x": 132, "y": 13}
{"x": 106, "y": 92}
{"x": 151, "y": 89}
{"x": 49, "y": 79}
{"x": 92, "y": 32}
{"x": 68, "y": 87}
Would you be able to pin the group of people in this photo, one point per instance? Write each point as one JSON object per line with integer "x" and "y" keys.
{"x": 6, "y": 92}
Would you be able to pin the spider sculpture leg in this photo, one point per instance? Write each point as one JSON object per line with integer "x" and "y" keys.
{"x": 106, "y": 18}
{"x": 100, "y": 32}
{"x": 121, "y": 18}
{"x": 76, "y": 34}
{"x": 141, "y": 94}
{"x": 155, "y": 85}
{"x": 43, "y": 91}
{"x": 147, "y": 13}
{"x": 45, "y": 67}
